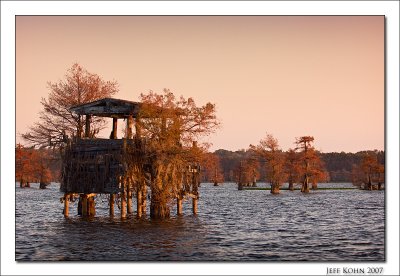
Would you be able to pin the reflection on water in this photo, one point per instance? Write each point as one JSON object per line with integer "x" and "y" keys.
{"x": 325, "y": 225}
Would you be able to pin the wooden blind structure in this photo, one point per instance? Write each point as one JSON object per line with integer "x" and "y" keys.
{"x": 93, "y": 166}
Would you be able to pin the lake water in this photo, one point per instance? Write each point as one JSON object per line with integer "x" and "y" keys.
{"x": 231, "y": 225}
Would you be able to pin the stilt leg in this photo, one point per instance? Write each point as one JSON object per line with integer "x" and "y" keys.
{"x": 112, "y": 200}
{"x": 66, "y": 205}
{"x": 84, "y": 206}
{"x": 91, "y": 206}
{"x": 123, "y": 205}
{"x": 179, "y": 208}
{"x": 144, "y": 199}
{"x": 194, "y": 202}
{"x": 129, "y": 205}
{"x": 139, "y": 203}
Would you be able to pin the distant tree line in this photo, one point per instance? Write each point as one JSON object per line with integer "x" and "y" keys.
{"x": 36, "y": 166}
{"x": 369, "y": 174}
{"x": 267, "y": 162}
{"x": 339, "y": 165}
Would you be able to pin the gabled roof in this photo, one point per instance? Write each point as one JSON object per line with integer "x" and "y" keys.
{"x": 108, "y": 107}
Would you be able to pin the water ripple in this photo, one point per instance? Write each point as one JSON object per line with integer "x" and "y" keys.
{"x": 231, "y": 225}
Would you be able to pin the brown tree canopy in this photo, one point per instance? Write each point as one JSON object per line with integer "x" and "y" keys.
{"x": 56, "y": 120}
{"x": 247, "y": 171}
{"x": 211, "y": 168}
{"x": 24, "y": 171}
{"x": 180, "y": 119}
{"x": 318, "y": 171}
{"x": 369, "y": 172}
{"x": 170, "y": 128}
{"x": 311, "y": 166}
{"x": 268, "y": 149}
{"x": 292, "y": 168}
{"x": 32, "y": 166}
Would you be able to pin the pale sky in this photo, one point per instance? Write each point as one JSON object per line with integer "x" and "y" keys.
{"x": 286, "y": 75}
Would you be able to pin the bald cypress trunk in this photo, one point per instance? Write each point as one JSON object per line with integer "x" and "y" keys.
{"x": 43, "y": 185}
{"x": 275, "y": 188}
{"x": 305, "y": 187}
{"x": 369, "y": 184}
{"x": 159, "y": 208}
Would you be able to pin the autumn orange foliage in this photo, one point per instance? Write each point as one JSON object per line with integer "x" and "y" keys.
{"x": 369, "y": 174}
{"x": 211, "y": 168}
{"x": 171, "y": 127}
{"x": 56, "y": 118}
{"x": 32, "y": 166}
{"x": 311, "y": 166}
{"x": 269, "y": 151}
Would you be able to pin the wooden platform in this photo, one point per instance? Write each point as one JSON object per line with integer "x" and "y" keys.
{"x": 93, "y": 165}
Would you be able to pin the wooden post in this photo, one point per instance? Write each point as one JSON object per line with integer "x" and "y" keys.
{"x": 84, "y": 206}
{"x": 91, "y": 206}
{"x": 129, "y": 207}
{"x": 115, "y": 128}
{"x": 181, "y": 192}
{"x": 138, "y": 128}
{"x": 79, "y": 128}
{"x": 66, "y": 205}
{"x": 195, "y": 183}
{"x": 112, "y": 200}
{"x": 139, "y": 203}
{"x": 194, "y": 205}
{"x": 129, "y": 123}
{"x": 123, "y": 201}
{"x": 179, "y": 209}
{"x": 80, "y": 205}
{"x": 144, "y": 199}
{"x": 87, "y": 128}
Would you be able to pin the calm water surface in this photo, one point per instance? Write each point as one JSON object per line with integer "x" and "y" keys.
{"x": 232, "y": 225}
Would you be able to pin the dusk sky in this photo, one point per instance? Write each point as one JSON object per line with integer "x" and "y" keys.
{"x": 286, "y": 75}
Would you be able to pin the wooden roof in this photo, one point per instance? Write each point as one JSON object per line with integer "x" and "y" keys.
{"x": 108, "y": 107}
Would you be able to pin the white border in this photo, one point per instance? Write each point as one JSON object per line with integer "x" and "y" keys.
{"x": 8, "y": 11}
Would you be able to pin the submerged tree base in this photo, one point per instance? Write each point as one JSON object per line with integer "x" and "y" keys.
{"x": 24, "y": 185}
{"x": 159, "y": 209}
{"x": 159, "y": 212}
{"x": 305, "y": 188}
{"x": 275, "y": 189}
{"x": 43, "y": 185}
